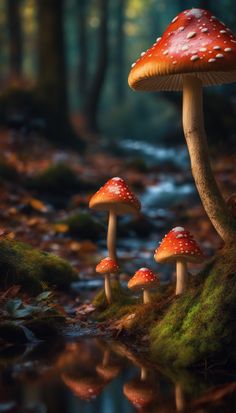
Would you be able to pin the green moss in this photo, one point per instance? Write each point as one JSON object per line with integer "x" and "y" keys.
{"x": 84, "y": 226}
{"x": 201, "y": 324}
{"x": 31, "y": 268}
{"x": 122, "y": 303}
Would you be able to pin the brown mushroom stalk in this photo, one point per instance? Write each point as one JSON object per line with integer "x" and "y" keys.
{"x": 181, "y": 277}
{"x": 107, "y": 287}
{"x": 143, "y": 373}
{"x": 111, "y": 234}
{"x": 146, "y": 296}
{"x": 195, "y": 135}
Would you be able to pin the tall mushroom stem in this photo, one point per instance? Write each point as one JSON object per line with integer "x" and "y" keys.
{"x": 146, "y": 296}
{"x": 108, "y": 288}
{"x": 181, "y": 276}
{"x": 179, "y": 398}
{"x": 195, "y": 135}
{"x": 111, "y": 234}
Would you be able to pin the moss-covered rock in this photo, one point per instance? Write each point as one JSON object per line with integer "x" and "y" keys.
{"x": 32, "y": 269}
{"x": 200, "y": 325}
{"x": 84, "y": 226}
{"x": 58, "y": 179}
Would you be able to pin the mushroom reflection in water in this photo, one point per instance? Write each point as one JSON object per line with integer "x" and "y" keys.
{"x": 108, "y": 369}
{"x": 139, "y": 392}
{"x": 86, "y": 388}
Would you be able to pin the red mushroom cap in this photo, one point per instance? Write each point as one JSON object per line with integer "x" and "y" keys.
{"x": 194, "y": 42}
{"x": 178, "y": 243}
{"x": 143, "y": 278}
{"x": 86, "y": 388}
{"x": 139, "y": 393}
{"x": 115, "y": 194}
{"x": 107, "y": 265}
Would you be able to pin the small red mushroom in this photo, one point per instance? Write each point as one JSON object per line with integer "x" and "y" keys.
{"x": 144, "y": 279}
{"x": 115, "y": 197}
{"x": 179, "y": 245}
{"x": 106, "y": 267}
{"x": 196, "y": 50}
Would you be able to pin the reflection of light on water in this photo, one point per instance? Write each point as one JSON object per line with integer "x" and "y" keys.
{"x": 178, "y": 156}
{"x": 164, "y": 194}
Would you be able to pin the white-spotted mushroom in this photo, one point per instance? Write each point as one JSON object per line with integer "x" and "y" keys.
{"x": 179, "y": 246}
{"x": 201, "y": 52}
{"x": 106, "y": 267}
{"x": 116, "y": 198}
{"x": 144, "y": 279}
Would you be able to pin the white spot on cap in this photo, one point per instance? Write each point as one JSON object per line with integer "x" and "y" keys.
{"x": 117, "y": 178}
{"x": 175, "y": 18}
{"x": 194, "y": 58}
{"x": 133, "y": 64}
{"x": 190, "y": 35}
{"x": 185, "y": 47}
{"x": 165, "y": 52}
{"x": 181, "y": 28}
{"x": 203, "y": 49}
{"x": 204, "y": 30}
{"x": 174, "y": 62}
{"x": 143, "y": 53}
{"x": 219, "y": 55}
{"x": 211, "y": 60}
{"x": 223, "y": 31}
{"x": 178, "y": 229}
{"x": 197, "y": 13}
{"x": 158, "y": 39}
{"x": 216, "y": 48}
{"x": 228, "y": 49}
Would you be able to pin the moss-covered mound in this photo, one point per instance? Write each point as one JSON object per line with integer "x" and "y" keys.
{"x": 200, "y": 326}
{"x": 32, "y": 269}
{"x": 122, "y": 303}
{"x": 84, "y": 226}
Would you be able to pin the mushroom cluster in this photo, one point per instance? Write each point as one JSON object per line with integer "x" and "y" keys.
{"x": 116, "y": 198}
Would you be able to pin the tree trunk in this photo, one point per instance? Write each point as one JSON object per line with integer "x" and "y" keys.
{"x": 52, "y": 72}
{"x": 52, "y": 82}
{"x": 92, "y": 104}
{"x": 119, "y": 82}
{"x": 15, "y": 37}
{"x": 83, "y": 48}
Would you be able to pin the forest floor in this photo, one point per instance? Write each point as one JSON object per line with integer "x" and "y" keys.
{"x": 45, "y": 204}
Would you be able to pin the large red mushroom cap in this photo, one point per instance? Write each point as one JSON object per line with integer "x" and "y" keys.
{"x": 195, "y": 42}
{"x": 107, "y": 265}
{"x": 143, "y": 278}
{"x": 178, "y": 244}
{"x": 115, "y": 194}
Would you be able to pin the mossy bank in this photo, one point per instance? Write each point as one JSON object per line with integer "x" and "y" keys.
{"x": 32, "y": 269}
{"x": 197, "y": 328}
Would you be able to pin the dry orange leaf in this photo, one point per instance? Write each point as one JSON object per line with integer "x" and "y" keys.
{"x": 38, "y": 205}
{"x": 61, "y": 228}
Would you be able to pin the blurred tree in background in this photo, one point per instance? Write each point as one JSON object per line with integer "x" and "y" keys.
{"x": 74, "y": 57}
